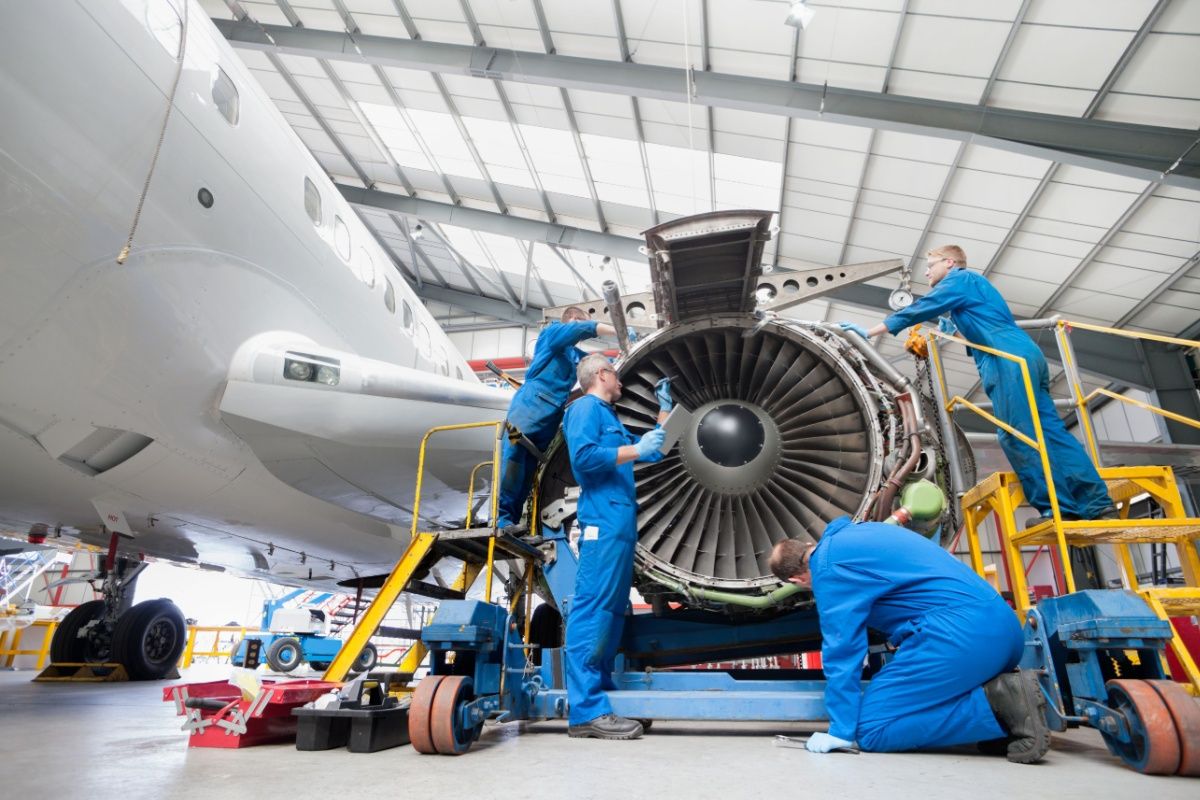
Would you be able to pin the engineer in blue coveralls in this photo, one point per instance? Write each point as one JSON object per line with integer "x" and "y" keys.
{"x": 981, "y": 316}
{"x": 949, "y": 681}
{"x": 602, "y": 456}
{"x": 537, "y": 408}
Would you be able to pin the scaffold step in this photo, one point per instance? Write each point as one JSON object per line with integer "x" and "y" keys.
{"x": 1177, "y": 601}
{"x": 1112, "y": 531}
{"x": 472, "y": 543}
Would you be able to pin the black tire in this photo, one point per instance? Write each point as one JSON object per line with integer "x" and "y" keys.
{"x": 149, "y": 639}
{"x": 367, "y": 658}
{"x": 66, "y": 647}
{"x": 319, "y": 666}
{"x": 285, "y": 654}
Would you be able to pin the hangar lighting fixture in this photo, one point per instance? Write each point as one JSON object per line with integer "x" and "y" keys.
{"x": 418, "y": 231}
{"x": 800, "y": 15}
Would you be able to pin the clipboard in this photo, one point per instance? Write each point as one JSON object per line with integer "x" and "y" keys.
{"x": 673, "y": 426}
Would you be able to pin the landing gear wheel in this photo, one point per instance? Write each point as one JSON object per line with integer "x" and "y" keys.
{"x": 445, "y": 723}
{"x": 419, "y": 713}
{"x": 66, "y": 646}
{"x": 366, "y": 660}
{"x": 285, "y": 654}
{"x": 319, "y": 666}
{"x": 1185, "y": 711}
{"x": 149, "y": 638}
{"x": 1154, "y": 745}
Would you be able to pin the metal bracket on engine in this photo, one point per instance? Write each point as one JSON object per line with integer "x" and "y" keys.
{"x": 554, "y": 514}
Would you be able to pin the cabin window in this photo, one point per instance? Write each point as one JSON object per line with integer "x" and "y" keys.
{"x": 366, "y": 267}
{"x": 312, "y": 201}
{"x": 225, "y": 95}
{"x": 423, "y": 340}
{"x": 341, "y": 238}
{"x": 389, "y": 296}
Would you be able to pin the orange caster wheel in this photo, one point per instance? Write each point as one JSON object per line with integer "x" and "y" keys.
{"x": 419, "y": 714}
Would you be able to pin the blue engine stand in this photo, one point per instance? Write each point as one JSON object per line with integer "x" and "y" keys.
{"x": 1077, "y": 643}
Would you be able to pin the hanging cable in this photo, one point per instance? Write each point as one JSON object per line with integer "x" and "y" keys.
{"x": 162, "y": 134}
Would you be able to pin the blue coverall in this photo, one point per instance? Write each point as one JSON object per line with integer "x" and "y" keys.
{"x": 537, "y": 408}
{"x": 953, "y": 631}
{"x": 607, "y": 519}
{"x": 982, "y": 317}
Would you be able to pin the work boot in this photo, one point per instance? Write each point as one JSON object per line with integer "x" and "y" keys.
{"x": 1047, "y": 516}
{"x": 607, "y": 726}
{"x": 1020, "y": 708}
{"x": 1108, "y": 512}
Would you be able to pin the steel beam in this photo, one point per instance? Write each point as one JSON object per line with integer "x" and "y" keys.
{"x": 479, "y": 304}
{"x": 1140, "y": 151}
{"x": 607, "y": 244}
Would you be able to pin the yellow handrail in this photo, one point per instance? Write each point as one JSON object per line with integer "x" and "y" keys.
{"x": 471, "y": 490}
{"x": 190, "y": 652}
{"x": 420, "y": 545}
{"x": 10, "y": 650}
{"x": 1039, "y": 445}
{"x": 1152, "y": 337}
{"x": 1162, "y": 412}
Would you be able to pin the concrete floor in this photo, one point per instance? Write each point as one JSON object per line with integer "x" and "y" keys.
{"x": 121, "y": 740}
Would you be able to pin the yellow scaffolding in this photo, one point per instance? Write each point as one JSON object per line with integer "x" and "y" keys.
{"x": 426, "y": 547}
{"x": 10, "y": 643}
{"x": 1001, "y": 494}
{"x": 190, "y": 651}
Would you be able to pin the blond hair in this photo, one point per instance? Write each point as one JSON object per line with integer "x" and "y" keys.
{"x": 950, "y": 251}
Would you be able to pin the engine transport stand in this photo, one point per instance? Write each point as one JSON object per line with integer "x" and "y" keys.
{"x": 1078, "y": 643}
{"x": 481, "y": 667}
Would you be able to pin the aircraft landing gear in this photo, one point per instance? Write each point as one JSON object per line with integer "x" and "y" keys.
{"x": 146, "y": 638}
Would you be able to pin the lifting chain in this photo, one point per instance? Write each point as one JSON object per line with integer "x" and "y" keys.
{"x": 929, "y": 406}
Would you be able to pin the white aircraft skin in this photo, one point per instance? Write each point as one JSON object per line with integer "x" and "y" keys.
{"x": 179, "y": 351}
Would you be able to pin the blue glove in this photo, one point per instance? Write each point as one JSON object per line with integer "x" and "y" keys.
{"x": 647, "y": 446}
{"x": 662, "y": 390}
{"x": 860, "y": 330}
{"x": 946, "y": 325}
{"x": 822, "y": 742}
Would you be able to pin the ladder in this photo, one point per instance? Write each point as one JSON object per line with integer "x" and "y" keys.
{"x": 1001, "y": 494}
{"x": 478, "y": 548}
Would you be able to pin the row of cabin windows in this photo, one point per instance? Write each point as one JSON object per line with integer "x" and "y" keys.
{"x": 228, "y": 103}
{"x": 341, "y": 240}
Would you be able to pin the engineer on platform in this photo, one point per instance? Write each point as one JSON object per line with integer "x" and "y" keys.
{"x": 537, "y": 407}
{"x": 980, "y": 314}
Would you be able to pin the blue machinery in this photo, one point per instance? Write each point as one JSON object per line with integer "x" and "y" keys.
{"x": 1098, "y": 653}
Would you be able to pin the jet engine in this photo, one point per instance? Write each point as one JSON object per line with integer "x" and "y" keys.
{"x": 792, "y": 423}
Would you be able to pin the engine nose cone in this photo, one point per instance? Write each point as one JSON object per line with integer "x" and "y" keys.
{"x": 731, "y": 435}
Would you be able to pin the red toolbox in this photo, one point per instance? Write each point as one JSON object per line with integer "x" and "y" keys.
{"x": 216, "y": 714}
